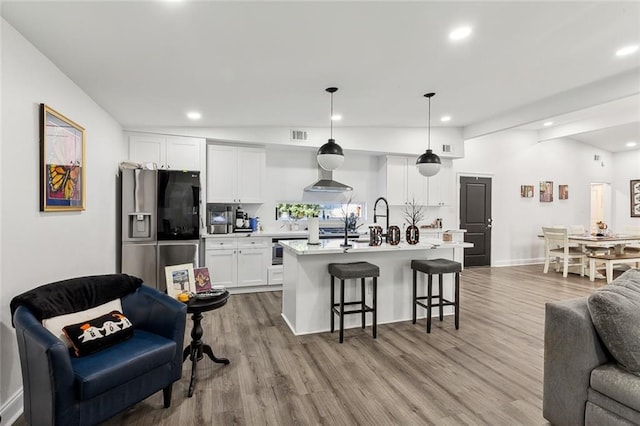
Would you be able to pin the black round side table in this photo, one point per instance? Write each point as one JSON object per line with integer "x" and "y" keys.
{"x": 195, "y": 350}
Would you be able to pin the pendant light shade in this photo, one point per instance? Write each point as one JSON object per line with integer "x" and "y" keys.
{"x": 428, "y": 164}
{"x": 330, "y": 155}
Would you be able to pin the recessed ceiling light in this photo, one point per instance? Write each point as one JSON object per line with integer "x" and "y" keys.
{"x": 445, "y": 118}
{"x": 460, "y": 33}
{"x": 547, "y": 123}
{"x": 194, "y": 115}
{"x": 627, "y": 50}
{"x": 631, "y": 143}
{"x": 336, "y": 117}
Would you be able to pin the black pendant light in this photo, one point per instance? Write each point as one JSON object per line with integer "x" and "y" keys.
{"x": 428, "y": 163}
{"x": 330, "y": 155}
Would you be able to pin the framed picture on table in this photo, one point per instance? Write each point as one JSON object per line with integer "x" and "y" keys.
{"x": 180, "y": 279}
{"x": 635, "y": 198}
{"x": 202, "y": 280}
{"x": 62, "y": 162}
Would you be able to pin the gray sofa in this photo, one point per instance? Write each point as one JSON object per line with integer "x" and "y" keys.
{"x": 591, "y": 354}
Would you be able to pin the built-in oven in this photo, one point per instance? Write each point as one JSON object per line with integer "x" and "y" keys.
{"x": 276, "y": 252}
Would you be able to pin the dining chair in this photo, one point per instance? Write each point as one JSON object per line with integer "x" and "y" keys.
{"x": 556, "y": 247}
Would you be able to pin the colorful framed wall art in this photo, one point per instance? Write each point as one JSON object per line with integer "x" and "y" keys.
{"x": 546, "y": 191}
{"x": 563, "y": 192}
{"x": 62, "y": 162}
{"x": 526, "y": 191}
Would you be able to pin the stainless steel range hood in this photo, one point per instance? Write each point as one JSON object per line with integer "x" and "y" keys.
{"x": 326, "y": 183}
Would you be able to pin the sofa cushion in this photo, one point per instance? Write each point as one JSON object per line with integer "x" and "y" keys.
{"x": 607, "y": 414}
{"x": 55, "y": 324}
{"x": 615, "y": 312}
{"x": 95, "y": 334}
{"x": 617, "y": 384}
{"x": 101, "y": 371}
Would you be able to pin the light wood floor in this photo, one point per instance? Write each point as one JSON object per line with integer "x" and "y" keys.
{"x": 487, "y": 372}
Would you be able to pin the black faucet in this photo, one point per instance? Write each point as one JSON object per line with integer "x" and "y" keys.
{"x": 376, "y": 216}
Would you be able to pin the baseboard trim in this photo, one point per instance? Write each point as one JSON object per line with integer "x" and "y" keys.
{"x": 12, "y": 410}
{"x": 518, "y": 262}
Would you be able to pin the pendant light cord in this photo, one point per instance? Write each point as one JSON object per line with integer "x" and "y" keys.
{"x": 429, "y": 129}
{"x": 429, "y": 96}
{"x": 331, "y": 116}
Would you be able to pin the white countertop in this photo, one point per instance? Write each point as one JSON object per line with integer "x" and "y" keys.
{"x": 302, "y": 247}
{"x": 270, "y": 234}
{"x": 297, "y": 234}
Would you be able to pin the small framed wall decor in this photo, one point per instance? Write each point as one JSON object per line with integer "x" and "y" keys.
{"x": 62, "y": 162}
{"x": 563, "y": 192}
{"x": 546, "y": 191}
{"x": 526, "y": 191}
{"x": 635, "y": 198}
{"x": 180, "y": 279}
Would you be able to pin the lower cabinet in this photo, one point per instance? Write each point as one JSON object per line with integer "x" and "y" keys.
{"x": 238, "y": 262}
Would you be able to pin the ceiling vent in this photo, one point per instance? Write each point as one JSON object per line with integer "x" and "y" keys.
{"x": 299, "y": 135}
{"x": 446, "y": 148}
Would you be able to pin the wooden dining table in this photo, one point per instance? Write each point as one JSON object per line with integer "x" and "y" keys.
{"x": 619, "y": 241}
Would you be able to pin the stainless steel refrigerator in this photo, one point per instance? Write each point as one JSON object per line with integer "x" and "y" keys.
{"x": 160, "y": 222}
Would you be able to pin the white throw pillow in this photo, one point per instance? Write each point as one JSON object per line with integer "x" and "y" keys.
{"x": 55, "y": 324}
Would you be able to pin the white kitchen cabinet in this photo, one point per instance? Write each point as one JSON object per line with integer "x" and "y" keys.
{"x": 440, "y": 187}
{"x": 404, "y": 183}
{"x": 396, "y": 180}
{"x": 254, "y": 257}
{"x": 416, "y": 184}
{"x": 235, "y": 174}
{"x": 238, "y": 261}
{"x": 168, "y": 152}
{"x": 222, "y": 265}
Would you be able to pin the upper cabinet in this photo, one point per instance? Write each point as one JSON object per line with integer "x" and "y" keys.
{"x": 235, "y": 174}
{"x": 168, "y": 152}
{"x": 404, "y": 183}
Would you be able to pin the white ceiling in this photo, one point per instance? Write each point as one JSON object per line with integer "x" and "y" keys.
{"x": 268, "y": 63}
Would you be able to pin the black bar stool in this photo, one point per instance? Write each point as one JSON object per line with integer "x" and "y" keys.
{"x": 355, "y": 270}
{"x": 432, "y": 267}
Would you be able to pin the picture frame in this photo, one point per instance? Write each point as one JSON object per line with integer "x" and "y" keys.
{"x": 563, "y": 192}
{"x": 526, "y": 191}
{"x": 202, "y": 280}
{"x": 180, "y": 279}
{"x": 546, "y": 191}
{"x": 62, "y": 162}
{"x": 635, "y": 197}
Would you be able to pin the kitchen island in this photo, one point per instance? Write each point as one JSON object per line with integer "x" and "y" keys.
{"x": 306, "y": 283}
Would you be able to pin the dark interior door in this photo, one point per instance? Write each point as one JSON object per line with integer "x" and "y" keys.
{"x": 475, "y": 217}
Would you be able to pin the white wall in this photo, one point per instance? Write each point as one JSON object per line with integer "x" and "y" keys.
{"x": 36, "y": 247}
{"x": 627, "y": 168}
{"x": 289, "y": 171}
{"x": 514, "y": 158}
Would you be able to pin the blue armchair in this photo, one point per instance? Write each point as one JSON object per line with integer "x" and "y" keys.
{"x": 62, "y": 389}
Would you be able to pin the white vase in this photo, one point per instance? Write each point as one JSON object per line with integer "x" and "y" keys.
{"x": 313, "y": 224}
